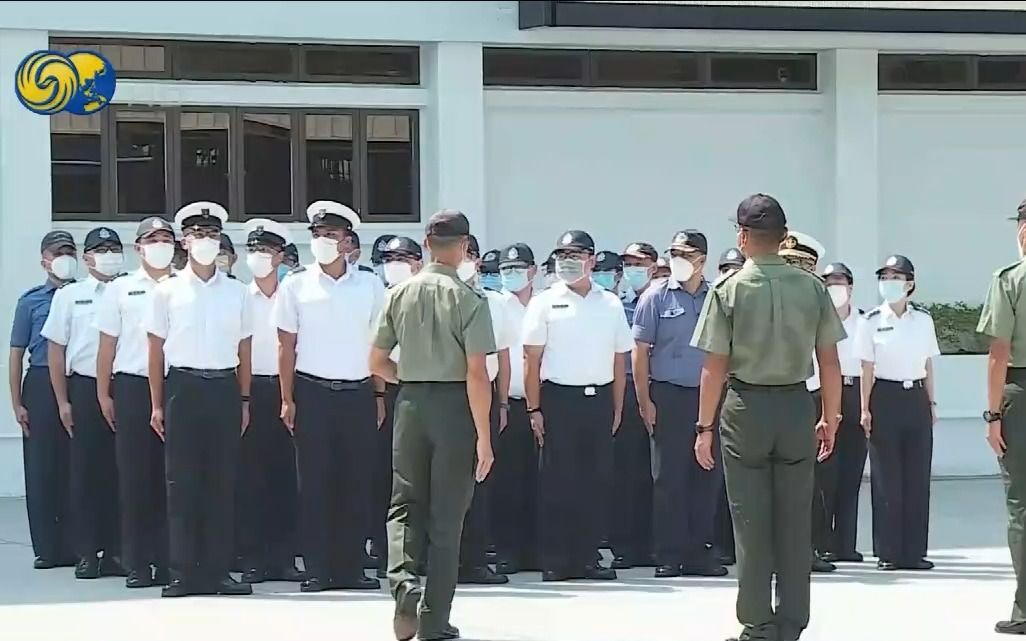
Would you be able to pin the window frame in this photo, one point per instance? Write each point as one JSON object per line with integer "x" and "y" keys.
{"x": 304, "y": 74}
{"x": 583, "y": 59}
{"x": 980, "y": 59}
{"x": 968, "y": 60}
{"x": 88, "y": 43}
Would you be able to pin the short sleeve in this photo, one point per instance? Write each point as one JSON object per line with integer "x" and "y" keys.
{"x": 478, "y": 333}
{"x": 646, "y": 320}
{"x": 714, "y": 331}
{"x": 108, "y": 312}
{"x": 830, "y": 330}
{"x": 932, "y": 346}
{"x": 501, "y": 323}
{"x": 57, "y": 327}
{"x": 864, "y": 341}
{"x": 285, "y": 312}
{"x": 536, "y": 329}
{"x": 997, "y": 319}
{"x": 384, "y": 335}
{"x": 377, "y": 300}
{"x": 156, "y": 320}
{"x": 624, "y": 339}
{"x": 246, "y": 321}
{"x": 21, "y": 328}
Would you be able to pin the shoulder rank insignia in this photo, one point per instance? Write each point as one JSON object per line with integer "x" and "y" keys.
{"x": 1007, "y": 268}
{"x": 919, "y": 308}
{"x": 724, "y": 277}
{"x": 874, "y": 313}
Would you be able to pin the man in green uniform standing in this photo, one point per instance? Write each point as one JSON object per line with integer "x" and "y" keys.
{"x": 1003, "y": 319}
{"x": 444, "y": 331}
{"x": 759, "y": 328}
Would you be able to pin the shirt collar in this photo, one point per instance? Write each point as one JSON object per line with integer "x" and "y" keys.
{"x": 766, "y": 259}
{"x": 189, "y": 273}
{"x": 562, "y": 289}
{"x": 316, "y": 267}
{"x": 140, "y": 274}
{"x": 49, "y": 286}
{"x": 703, "y": 287}
{"x": 439, "y": 268}
{"x": 888, "y": 312}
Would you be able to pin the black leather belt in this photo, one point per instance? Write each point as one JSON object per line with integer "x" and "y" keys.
{"x": 334, "y": 385}
{"x": 916, "y": 384}
{"x": 205, "y": 373}
{"x": 848, "y": 381}
{"x": 265, "y": 377}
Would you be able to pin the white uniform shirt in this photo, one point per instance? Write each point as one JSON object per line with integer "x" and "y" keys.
{"x": 265, "y": 331}
{"x": 515, "y": 313}
{"x": 898, "y": 346}
{"x": 333, "y": 320}
{"x": 580, "y": 335}
{"x": 122, "y": 309}
{"x": 501, "y": 329}
{"x": 70, "y": 323}
{"x": 851, "y": 365}
{"x": 202, "y": 323}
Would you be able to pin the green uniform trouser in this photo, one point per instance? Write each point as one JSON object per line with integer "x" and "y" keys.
{"x": 433, "y": 452}
{"x": 1013, "y": 473}
{"x": 769, "y": 455}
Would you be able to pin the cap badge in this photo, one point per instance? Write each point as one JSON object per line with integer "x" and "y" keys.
{"x": 790, "y": 242}
{"x": 892, "y": 261}
{"x": 829, "y": 269}
{"x": 259, "y": 229}
{"x": 383, "y": 245}
{"x": 601, "y": 257}
{"x": 513, "y": 254}
{"x": 205, "y": 211}
{"x": 156, "y": 224}
{"x": 104, "y": 234}
{"x": 733, "y": 255}
{"x": 567, "y": 239}
{"x": 394, "y": 244}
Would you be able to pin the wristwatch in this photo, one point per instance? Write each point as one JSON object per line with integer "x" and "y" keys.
{"x": 702, "y": 429}
{"x": 991, "y": 417}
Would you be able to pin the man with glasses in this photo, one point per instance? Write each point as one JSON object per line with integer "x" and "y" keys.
{"x": 199, "y": 326}
{"x": 575, "y": 339}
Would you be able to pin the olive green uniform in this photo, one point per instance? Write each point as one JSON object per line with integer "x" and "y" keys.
{"x": 436, "y": 319}
{"x": 768, "y": 317}
{"x": 1004, "y": 317}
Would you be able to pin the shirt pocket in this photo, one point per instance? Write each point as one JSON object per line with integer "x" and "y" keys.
{"x": 674, "y": 323}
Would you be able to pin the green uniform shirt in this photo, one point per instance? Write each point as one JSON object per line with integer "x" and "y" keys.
{"x": 1005, "y": 310}
{"x": 768, "y": 317}
{"x": 437, "y": 320}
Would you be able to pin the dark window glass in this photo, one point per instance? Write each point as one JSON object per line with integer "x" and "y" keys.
{"x": 397, "y": 65}
{"x": 644, "y": 69}
{"x": 140, "y": 162}
{"x": 763, "y": 71}
{"x": 132, "y": 60}
{"x": 925, "y": 72}
{"x": 390, "y": 165}
{"x": 227, "y": 61}
{"x": 329, "y": 158}
{"x": 75, "y": 164}
{"x": 1000, "y": 72}
{"x": 203, "y": 164}
{"x": 268, "y": 160}
{"x": 534, "y": 67}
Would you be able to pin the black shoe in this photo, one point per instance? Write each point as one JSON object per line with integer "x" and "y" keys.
{"x": 161, "y": 576}
{"x": 43, "y": 564}
{"x": 381, "y": 573}
{"x": 920, "y": 565}
{"x": 139, "y": 580}
{"x": 727, "y": 559}
{"x": 370, "y": 562}
{"x": 253, "y": 575}
{"x": 549, "y": 576}
{"x": 506, "y": 567}
{"x": 359, "y": 582}
{"x": 449, "y": 632}
{"x": 289, "y": 573}
{"x": 230, "y": 587}
{"x": 405, "y": 619}
{"x": 112, "y": 567}
{"x": 598, "y": 573}
{"x": 1010, "y": 627}
{"x": 482, "y": 576}
{"x": 177, "y": 588}
{"x": 315, "y": 584}
{"x": 667, "y": 572}
{"x": 88, "y": 568}
{"x": 847, "y": 557}
{"x": 710, "y": 569}
{"x": 886, "y": 566}
{"x": 819, "y": 566}
{"x": 621, "y": 563}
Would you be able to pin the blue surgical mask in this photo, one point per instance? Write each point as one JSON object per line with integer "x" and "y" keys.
{"x": 283, "y": 271}
{"x": 635, "y": 276}
{"x": 606, "y": 280}
{"x": 892, "y": 291}
{"x": 490, "y": 281}
{"x": 514, "y": 280}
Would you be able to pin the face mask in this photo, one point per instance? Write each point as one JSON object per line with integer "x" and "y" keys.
{"x": 514, "y": 280}
{"x": 158, "y": 255}
{"x": 569, "y": 270}
{"x": 109, "y": 264}
{"x": 64, "y": 267}
{"x": 204, "y": 250}
{"x": 491, "y": 281}
{"x": 605, "y": 280}
{"x": 224, "y": 263}
{"x": 681, "y": 269}
{"x": 397, "y": 272}
{"x": 467, "y": 270}
{"x": 283, "y": 271}
{"x": 324, "y": 250}
{"x": 838, "y": 294}
{"x": 260, "y": 264}
{"x": 635, "y": 277}
{"x": 892, "y": 291}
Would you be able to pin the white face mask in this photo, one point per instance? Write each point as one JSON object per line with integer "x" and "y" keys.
{"x": 838, "y": 294}
{"x": 158, "y": 255}
{"x": 681, "y": 269}
{"x": 324, "y": 250}
{"x": 204, "y": 250}
{"x": 64, "y": 267}
{"x": 892, "y": 291}
{"x": 109, "y": 264}
{"x": 397, "y": 272}
{"x": 467, "y": 270}
{"x": 260, "y": 264}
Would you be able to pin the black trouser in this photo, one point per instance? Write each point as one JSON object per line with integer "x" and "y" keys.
{"x": 577, "y": 427}
{"x": 381, "y": 478}
{"x": 94, "y": 474}
{"x": 45, "y": 452}
{"x": 685, "y": 494}
{"x": 476, "y": 535}
{"x": 515, "y": 489}
{"x": 631, "y": 511}
{"x": 267, "y": 483}
{"x": 901, "y": 453}
{"x": 839, "y": 479}
{"x": 140, "y": 455}
{"x": 334, "y": 443}
{"x": 202, "y": 419}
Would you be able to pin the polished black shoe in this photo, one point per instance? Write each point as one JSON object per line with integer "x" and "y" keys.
{"x": 161, "y": 576}
{"x": 230, "y": 587}
{"x": 886, "y": 566}
{"x": 1010, "y": 627}
{"x": 88, "y": 568}
{"x": 139, "y": 580}
{"x": 549, "y": 576}
{"x": 598, "y": 573}
{"x": 621, "y": 563}
{"x": 370, "y": 562}
{"x": 112, "y": 567}
{"x": 506, "y": 567}
{"x": 253, "y": 575}
{"x": 667, "y": 571}
{"x": 405, "y": 620}
{"x": 449, "y": 632}
{"x": 710, "y": 569}
{"x": 43, "y": 564}
{"x": 315, "y": 584}
{"x": 176, "y": 588}
{"x": 359, "y": 582}
{"x": 847, "y": 557}
{"x": 819, "y": 566}
{"x": 920, "y": 565}
{"x": 481, "y": 576}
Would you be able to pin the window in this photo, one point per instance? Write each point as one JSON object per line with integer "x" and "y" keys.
{"x": 392, "y": 65}
{"x": 131, "y": 59}
{"x": 1001, "y": 73}
{"x": 230, "y": 61}
{"x": 130, "y": 162}
{"x": 946, "y": 73}
{"x": 648, "y": 69}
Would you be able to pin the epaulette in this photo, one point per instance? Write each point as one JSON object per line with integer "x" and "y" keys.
{"x": 364, "y": 268}
{"x": 919, "y": 308}
{"x": 232, "y": 276}
{"x": 34, "y": 289}
{"x": 66, "y": 283}
{"x": 1008, "y": 268}
{"x": 166, "y": 276}
{"x": 724, "y": 277}
{"x": 298, "y": 269}
{"x": 874, "y": 313}
{"x": 862, "y": 312}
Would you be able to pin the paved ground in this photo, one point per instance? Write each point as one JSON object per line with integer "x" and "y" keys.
{"x": 959, "y": 601}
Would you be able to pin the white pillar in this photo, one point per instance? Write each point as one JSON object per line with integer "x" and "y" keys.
{"x": 25, "y": 215}
{"x": 456, "y": 139}
{"x": 851, "y": 76}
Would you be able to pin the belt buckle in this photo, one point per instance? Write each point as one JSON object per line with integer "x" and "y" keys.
{"x": 589, "y": 390}
{"x": 206, "y": 374}
{"x": 848, "y": 380}
{"x": 906, "y": 384}
{"x": 336, "y": 386}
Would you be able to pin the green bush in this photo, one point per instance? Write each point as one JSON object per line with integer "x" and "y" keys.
{"x": 956, "y": 328}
